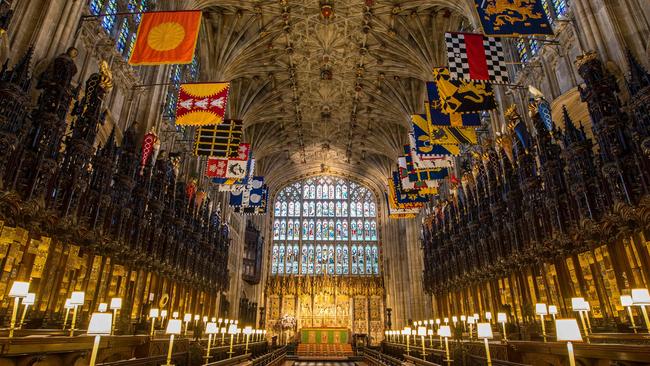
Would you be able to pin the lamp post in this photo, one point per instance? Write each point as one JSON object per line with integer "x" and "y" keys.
{"x": 587, "y": 317}
{"x": 641, "y": 297}
{"x": 232, "y": 330}
{"x": 175, "y": 315}
{"x": 163, "y": 315}
{"x": 488, "y": 316}
{"x": 567, "y": 330}
{"x": 30, "y": 299}
{"x": 541, "y": 310}
{"x": 187, "y": 318}
{"x": 153, "y": 314}
{"x": 76, "y": 299}
{"x": 471, "y": 321}
{"x": 67, "y": 307}
{"x": 503, "y": 319}
{"x": 18, "y": 291}
{"x": 210, "y": 329}
{"x": 454, "y": 319}
{"x": 438, "y": 322}
{"x": 484, "y": 330}
{"x": 430, "y": 333}
{"x": 247, "y": 331}
{"x": 173, "y": 328}
{"x": 100, "y": 325}
{"x": 116, "y": 304}
{"x": 578, "y": 304}
{"x": 445, "y": 331}
{"x": 407, "y": 333}
{"x": 626, "y": 301}
{"x": 422, "y": 332}
{"x": 552, "y": 309}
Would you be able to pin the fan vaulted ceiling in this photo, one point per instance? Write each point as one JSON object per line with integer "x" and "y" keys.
{"x": 326, "y": 89}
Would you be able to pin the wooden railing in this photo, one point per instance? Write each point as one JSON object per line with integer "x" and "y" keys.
{"x": 237, "y": 360}
{"x": 274, "y": 358}
{"x": 419, "y": 362}
{"x": 373, "y": 357}
{"x": 179, "y": 359}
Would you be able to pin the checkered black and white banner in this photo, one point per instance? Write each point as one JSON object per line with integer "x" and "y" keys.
{"x": 491, "y": 68}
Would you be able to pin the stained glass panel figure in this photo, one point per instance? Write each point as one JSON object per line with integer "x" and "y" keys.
{"x": 319, "y": 259}
{"x": 339, "y": 230}
{"x": 319, "y": 209}
{"x": 297, "y": 209}
{"x": 361, "y": 263}
{"x": 311, "y": 229}
{"x": 331, "y": 209}
{"x": 290, "y": 230}
{"x": 274, "y": 260}
{"x": 283, "y": 209}
{"x": 319, "y": 192}
{"x": 355, "y": 260}
{"x": 346, "y": 260}
{"x": 338, "y": 209}
{"x": 281, "y": 260}
{"x": 304, "y": 260}
{"x": 319, "y": 230}
{"x": 283, "y": 229}
{"x": 311, "y": 259}
{"x": 276, "y": 211}
{"x": 375, "y": 260}
{"x": 305, "y": 230}
{"x": 353, "y": 230}
{"x": 339, "y": 259}
{"x": 276, "y": 230}
{"x": 290, "y": 208}
{"x": 330, "y": 260}
{"x": 295, "y": 259}
{"x": 368, "y": 260}
{"x": 289, "y": 261}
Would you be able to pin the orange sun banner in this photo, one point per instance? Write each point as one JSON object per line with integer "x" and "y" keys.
{"x": 166, "y": 38}
{"x": 201, "y": 104}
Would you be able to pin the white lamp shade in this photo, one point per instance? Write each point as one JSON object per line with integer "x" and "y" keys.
{"x": 470, "y": 319}
{"x": 444, "y": 331}
{"x": 163, "y": 313}
{"x": 422, "y": 331}
{"x": 197, "y": 317}
{"x": 30, "y": 299}
{"x": 116, "y": 303}
{"x": 484, "y": 330}
{"x": 211, "y": 328}
{"x": 414, "y": 332}
{"x": 488, "y": 315}
{"x": 68, "y": 304}
{"x": 438, "y": 321}
{"x": 430, "y": 332}
{"x": 102, "y": 307}
{"x": 222, "y": 330}
{"x": 568, "y": 330}
{"x": 419, "y": 322}
{"x": 100, "y": 324}
{"x": 640, "y": 296}
{"x": 174, "y": 326}
{"x": 540, "y": 309}
{"x": 19, "y": 289}
{"x": 175, "y": 314}
{"x": 187, "y": 317}
{"x": 455, "y": 318}
{"x": 462, "y": 318}
{"x": 77, "y": 298}
{"x": 236, "y": 322}
{"x": 248, "y": 330}
{"x": 407, "y": 330}
{"x": 232, "y": 329}
{"x": 552, "y": 309}
{"x": 446, "y": 320}
{"x": 502, "y": 317}
{"x": 578, "y": 304}
{"x": 153, "y": 313}
{"x": 205, "y": 319}
{"x": 476, "y": 317}
{"x": 626, "y": 300}
{"x": 214, "y": 319}
{"x": 220, "y": 320}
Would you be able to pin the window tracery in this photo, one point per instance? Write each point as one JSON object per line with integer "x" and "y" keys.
{"x": 315, "y": 233}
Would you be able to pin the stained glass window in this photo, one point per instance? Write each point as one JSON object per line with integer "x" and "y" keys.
{"x": 325, "y": 225}
{"x": 96, "y": 6}
{"x": 179, "y": 74}
{"x": 123, "y": 36}
{"x": 108, "y": 21}
{"x": 522, "y": 50}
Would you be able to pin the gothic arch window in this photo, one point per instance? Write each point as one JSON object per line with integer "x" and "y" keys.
{"x": 325, "y": 226}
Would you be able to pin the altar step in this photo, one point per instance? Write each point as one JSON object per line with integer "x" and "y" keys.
{"x": 317, "y": 351}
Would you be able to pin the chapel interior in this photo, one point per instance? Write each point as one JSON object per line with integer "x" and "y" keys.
{"x": 324, "y": 182}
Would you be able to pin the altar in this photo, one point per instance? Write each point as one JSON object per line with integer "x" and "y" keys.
{"x": 324, "y": 335}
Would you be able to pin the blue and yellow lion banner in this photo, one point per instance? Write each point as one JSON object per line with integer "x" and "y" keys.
{"x": 461, "y": 96}
{"x": 513, "y": 17}
{"x": 444, "y": 135}
{"x": 440, "y": 119}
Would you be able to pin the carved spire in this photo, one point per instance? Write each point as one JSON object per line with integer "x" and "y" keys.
{"x": 639, "y": 77}
{"x": 571, "y": 134}
{"x": 20, "y": 74}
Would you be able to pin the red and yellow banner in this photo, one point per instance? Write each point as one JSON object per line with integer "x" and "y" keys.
{"x": 201, "y": 104}
{"x": 166, "y": 38}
